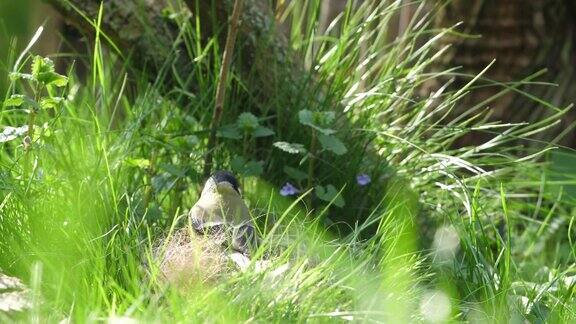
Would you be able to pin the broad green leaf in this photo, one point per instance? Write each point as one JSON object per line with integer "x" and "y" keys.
{"x": 261, "y": 131}
{"x": 247, "y": 168}
{"x": 41, "y": 65}
{"x": 50, "y": 102}
{"x": 191, "y": 140}
{"x": 237, "y": 163}
{"x": 562, "y": 171}
{"x": 174, "y": 170}
{"x": 247, "y": 122}
{"x": 153, "y": 213}
{"x": 330, "y": 194}
{"x": 332, "y": 143}
{"x": 292, "y": 148}
{"x": 163, "y": 181}
{"x": 14, "y": 101}
{"x": 295, "y": 173}
{"x": 325, "y": 131}
{"x": 306, "y": 117}
{"x": 229, "y": 131}
{"x": 43, "y": 72}
{"x": 316, "y": 120}
{"x": 325, "y": 118}
{"x": 139, "y": 163}
{"x": 17, "y": 100}
{"x": 253, "y": 168}
{"x": 56, "y": 79}
{"x": 185, "y": 143}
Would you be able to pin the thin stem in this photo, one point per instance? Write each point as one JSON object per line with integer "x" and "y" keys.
{"x": 150, "y": 172}
{"x": 221, "y": 87}
{"x": 30, "y": 133}
{"x": 311, "y": 163}
{"x": 32, "y": 118}
{"x": 244, "y": 154}
{"x": 29, "y": 138}
{"x": 245, "y": 146}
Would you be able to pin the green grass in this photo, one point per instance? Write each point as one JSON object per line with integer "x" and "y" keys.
{"x": 441, "y": 234}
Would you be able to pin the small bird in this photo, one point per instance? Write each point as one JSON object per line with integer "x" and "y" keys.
{"x": 221, "y": 211}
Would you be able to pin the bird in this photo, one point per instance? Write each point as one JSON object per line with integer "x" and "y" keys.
{"x": 220, "y": 212}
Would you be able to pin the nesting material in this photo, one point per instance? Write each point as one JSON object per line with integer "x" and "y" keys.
{"x": 187, "y": 258}
{"x": 14, "y": 295}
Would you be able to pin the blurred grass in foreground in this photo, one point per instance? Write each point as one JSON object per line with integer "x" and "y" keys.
{"x": 472, "y": 233}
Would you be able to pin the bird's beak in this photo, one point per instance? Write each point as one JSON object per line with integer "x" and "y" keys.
{"x": 225, "y": 188}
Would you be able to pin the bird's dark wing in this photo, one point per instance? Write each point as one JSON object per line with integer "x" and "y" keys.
{"x": 206, "y": 220}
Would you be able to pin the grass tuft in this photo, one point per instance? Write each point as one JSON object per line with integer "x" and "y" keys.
{"x": 91, "y": 210}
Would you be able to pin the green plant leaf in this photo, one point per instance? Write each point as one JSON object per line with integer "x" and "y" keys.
{"x": 46, "y": 130}
{"x": 261, "y": 131}
{"x": 50, "y": 102}
{"x": 41, "y": 65}
{"x": 43, "y": 72}
{"x": 326, "y": 118}
{"x": 237, "y": 163}
{"x": 332, "y": 143}
{"x": 18, "y": 100}
{"x": 15, "y": 100}
{"x": 247, "y": 122}
{"x": 185, "y": 143}
{"x": 253, "y": 168}
{"x": 306, "y": 117}
{"x": 163, "y": 181}
{"x": 139, "y": 163}
{"x": 316, "y": 120}
{"x": 229, "y": 131}
{"x": 329, "y": 194}
{"x": 562, "y": 169}
{"x": 174, "y": 170}
{"x": 247, "y": 168}
{"x": 57, "y": 80}
{"x": 295, "y": 173}
{"x": 325, "y": 131}
{"x": 292, "y": 148}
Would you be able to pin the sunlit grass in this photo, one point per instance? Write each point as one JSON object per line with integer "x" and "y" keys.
{"x": 441, "y": 234}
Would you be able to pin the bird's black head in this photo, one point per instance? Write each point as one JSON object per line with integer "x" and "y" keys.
{"x": 225, "y": 176}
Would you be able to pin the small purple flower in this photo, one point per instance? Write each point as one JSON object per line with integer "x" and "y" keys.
{"x": 289, "y": 190}
{"x": 363, "y": 179}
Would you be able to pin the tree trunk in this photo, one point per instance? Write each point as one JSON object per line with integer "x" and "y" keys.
{"x": 523, "y": 37}
{"x": 139, "y": 29}
{"x": 149, "y": 37}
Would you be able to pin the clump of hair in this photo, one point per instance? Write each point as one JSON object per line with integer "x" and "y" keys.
{"x": 186, "y": 258}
